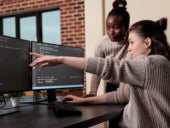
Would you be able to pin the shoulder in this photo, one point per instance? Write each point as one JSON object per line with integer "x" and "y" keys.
{"x": 146, "y": 63}
{"x": 153, "y": 58}
{"x": 102, "y": 45}
{"x": 103, "y": 40}
{"x": 153, "y": 61}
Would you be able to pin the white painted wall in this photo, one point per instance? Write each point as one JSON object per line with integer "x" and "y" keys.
{"x": 94, "y": 30}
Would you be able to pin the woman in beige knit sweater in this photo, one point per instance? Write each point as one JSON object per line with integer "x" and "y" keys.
{"x": 113, "y": 44}
{"x": 147, "y": 74}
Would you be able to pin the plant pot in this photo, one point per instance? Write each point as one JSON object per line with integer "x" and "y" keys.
{"x": 15, "y": 101}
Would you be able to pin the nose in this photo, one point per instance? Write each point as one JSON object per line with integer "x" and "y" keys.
{"x": 129, "y": 48}
{"x": 111, "y": 31}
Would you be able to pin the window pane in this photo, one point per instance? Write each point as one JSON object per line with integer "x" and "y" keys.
{"x": 51, "y": 27}
{"x": 9, "y": 26}
{"x": 28, "y": 28}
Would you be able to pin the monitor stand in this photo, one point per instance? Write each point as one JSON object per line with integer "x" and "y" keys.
{"x": 51, "y": 96}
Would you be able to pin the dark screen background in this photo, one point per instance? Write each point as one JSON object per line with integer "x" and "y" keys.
{"x": 14, "y": 65}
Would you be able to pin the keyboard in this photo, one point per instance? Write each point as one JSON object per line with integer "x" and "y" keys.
{"x": 66, "y": 109}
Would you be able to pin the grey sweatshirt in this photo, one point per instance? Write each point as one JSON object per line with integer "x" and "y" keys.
{"x": 149, "y": 79}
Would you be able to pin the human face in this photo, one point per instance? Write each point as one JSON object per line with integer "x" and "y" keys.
{"x": 138, "y": 45}
{"x": 115, "y": 28}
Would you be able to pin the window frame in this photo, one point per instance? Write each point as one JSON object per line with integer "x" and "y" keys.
{"x": 36, "y": 12}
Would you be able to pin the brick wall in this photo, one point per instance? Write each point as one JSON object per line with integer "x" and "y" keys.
{"x": 72, "y": 16}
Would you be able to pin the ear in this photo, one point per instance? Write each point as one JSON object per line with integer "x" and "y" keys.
{"x": 148, "y": 42}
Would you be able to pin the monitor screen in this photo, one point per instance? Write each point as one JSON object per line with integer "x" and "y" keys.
{"x": 56, "y": 77}
{"x": 14, "y": 65}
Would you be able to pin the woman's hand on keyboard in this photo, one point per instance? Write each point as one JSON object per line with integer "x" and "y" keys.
{"x": 74, "y": 99}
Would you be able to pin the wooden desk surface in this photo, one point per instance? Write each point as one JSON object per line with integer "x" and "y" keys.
{"x": 42, "y": 116}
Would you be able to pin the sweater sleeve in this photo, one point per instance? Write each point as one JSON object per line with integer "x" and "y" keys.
{"x": 129, "y": 71}
{"x": 95, "y": 79}
{"x": 120, "y": 96}
{"x": 94, "y": 84}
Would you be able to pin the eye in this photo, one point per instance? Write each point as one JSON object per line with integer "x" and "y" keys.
{"x": 131, "y": 42}
{"x": 108, "y": 27}
{"x": 116, "y": 26}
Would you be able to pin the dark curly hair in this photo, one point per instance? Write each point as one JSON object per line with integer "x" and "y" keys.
{"x": 119, "y": 9}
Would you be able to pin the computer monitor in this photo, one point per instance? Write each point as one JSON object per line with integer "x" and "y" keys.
{"x": 56, "y": 77}
{"x": 15, "y": 72}
{"x": 14, "y": 65}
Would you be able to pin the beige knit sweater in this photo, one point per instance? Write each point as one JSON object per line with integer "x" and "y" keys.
{"x": 149, "y": 79}
{"x": 103, "y": 49}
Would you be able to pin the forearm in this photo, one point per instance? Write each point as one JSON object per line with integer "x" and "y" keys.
{"x": 96, "y": 100}
{"x": 95, "y": 81}
{"x": 75, "y": 62}
{"x": 45, "y": 61}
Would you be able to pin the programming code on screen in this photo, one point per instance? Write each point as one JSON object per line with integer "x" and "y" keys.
{"x": 14, "y": 65}
{"x": 60, "y": 76}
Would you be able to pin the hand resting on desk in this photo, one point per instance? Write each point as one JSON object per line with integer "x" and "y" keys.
{"x": 88, "y": 100}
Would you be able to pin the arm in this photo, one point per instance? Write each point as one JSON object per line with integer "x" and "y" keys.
{"x": 44, "y": 61}
{"x": 121, "y": 96}
{"x": 89, "y": 100}
{"x": 95, "y": 80}
{"x": 129, "y": 71}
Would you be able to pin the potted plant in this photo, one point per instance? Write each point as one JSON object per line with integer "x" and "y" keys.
{"x": 15, "y": 98}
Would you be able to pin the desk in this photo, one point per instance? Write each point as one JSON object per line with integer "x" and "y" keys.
{"x": 42, "y": 116}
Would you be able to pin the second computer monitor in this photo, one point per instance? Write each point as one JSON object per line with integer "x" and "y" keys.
{"x": 56, "y": 77}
